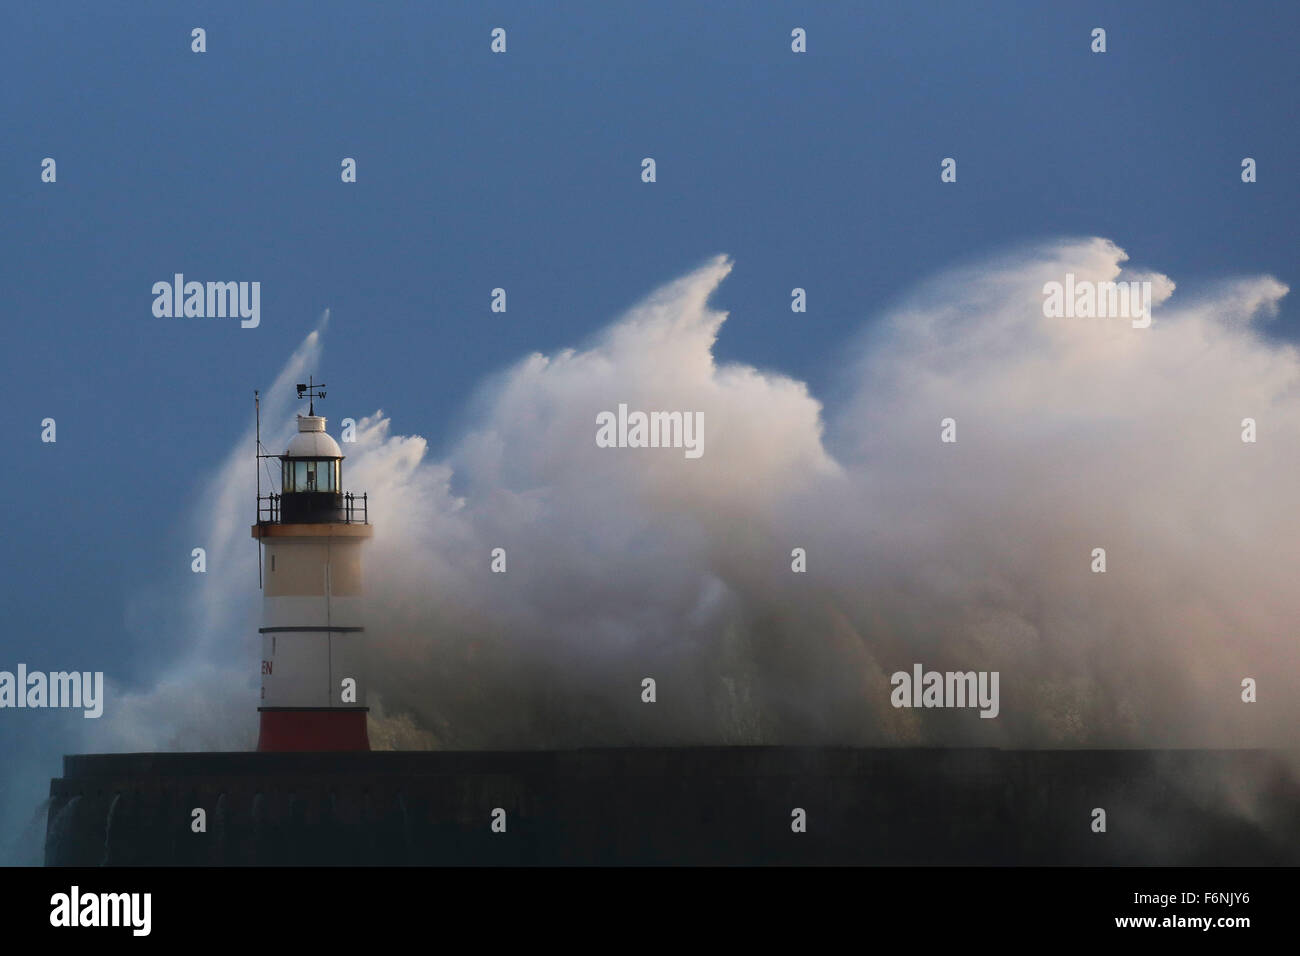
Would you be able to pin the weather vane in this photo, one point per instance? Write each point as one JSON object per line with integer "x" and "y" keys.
{"x": 311, "y": 391}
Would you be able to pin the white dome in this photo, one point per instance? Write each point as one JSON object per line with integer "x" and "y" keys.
{"x": 312, "y": 441}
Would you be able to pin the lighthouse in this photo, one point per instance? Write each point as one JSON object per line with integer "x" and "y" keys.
{"x": 313, "y": 633}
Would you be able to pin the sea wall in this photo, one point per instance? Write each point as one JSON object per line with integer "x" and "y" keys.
{"x": 727, "y": 805}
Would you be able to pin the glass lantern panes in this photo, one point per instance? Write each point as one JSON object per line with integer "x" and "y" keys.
{"x": 321, "y": 474}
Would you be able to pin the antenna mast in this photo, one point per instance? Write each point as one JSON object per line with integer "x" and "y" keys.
{"x": 257, "y": 463}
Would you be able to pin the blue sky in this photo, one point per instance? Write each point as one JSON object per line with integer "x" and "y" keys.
{"x": 523, "y": 171}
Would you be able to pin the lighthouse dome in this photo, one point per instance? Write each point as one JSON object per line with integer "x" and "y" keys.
{"x": 312, "y": 440}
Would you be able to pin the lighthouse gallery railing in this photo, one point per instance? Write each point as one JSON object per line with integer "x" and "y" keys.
{"x": 353, "y": 509}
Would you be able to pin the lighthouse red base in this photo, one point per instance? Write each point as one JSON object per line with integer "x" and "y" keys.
{"x": 297, "y": 730}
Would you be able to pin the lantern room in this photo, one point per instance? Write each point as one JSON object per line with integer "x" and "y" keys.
{"x": 313, "y": 461}
{"x": 311, "y": 487}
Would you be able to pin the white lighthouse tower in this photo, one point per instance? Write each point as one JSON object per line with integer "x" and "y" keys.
{"x": 313, "y": 635}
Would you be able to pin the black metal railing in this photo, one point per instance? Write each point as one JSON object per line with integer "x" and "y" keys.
{"x": 268, "y": 509}
{"x": 357, "y": 510}
{"x": 346, "y": 508}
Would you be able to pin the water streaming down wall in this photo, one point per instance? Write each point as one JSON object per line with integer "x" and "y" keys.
{"x": 678, "y": 805}
{"x": 62, "y": 827}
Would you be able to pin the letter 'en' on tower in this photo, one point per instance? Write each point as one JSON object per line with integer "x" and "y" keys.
{"x": 313, "y": 636}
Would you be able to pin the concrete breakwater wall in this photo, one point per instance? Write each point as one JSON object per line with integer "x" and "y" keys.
{"x": 694, "y": 805}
